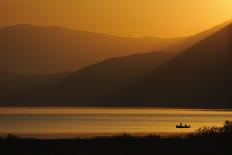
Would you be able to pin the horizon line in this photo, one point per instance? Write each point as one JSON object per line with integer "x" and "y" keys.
{"x": 227, "y": 22}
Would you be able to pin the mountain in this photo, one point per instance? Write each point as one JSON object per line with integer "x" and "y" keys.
{"x": 28, "y": 49}
{"x": 6, "y": 76}
{"x": 105, "y": 79}
{"x": 198, "y": 77}
{"x": 29, "y": 90}
{"x": 88, "y": 85}
{"x": 187, "y": 42}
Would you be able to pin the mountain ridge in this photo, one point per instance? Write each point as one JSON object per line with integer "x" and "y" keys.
{"x": 200, "y": 75}
{"x": 30, "y": 49}
{"x": 27, "y": 49}
{"x": 197, "y": 77}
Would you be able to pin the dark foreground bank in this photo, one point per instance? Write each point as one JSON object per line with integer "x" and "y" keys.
{"x": 118, "y": 145}
{"x": 210, "y": 141}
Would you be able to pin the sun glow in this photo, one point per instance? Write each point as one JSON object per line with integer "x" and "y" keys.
{"x": 122, "y": 17}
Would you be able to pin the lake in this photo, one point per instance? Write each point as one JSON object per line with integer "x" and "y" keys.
{"x": 82, "y": 122}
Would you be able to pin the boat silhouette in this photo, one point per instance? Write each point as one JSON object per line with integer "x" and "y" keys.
{"x": 183, "y": 126}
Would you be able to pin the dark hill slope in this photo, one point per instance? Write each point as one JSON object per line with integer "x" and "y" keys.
{"x": 105, "y": 79}
{"x": 29, "y": 90}
{"x": 83, "y": 88}
{"x": 6, "y": 76}
{"x": 199, "y": 77}
{"x": 28, "y": 49}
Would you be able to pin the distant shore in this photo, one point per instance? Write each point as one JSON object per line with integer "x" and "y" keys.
{"x": 119, "y": 107}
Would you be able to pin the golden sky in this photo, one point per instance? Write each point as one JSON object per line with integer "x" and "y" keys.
{"x": 136, "y": 18}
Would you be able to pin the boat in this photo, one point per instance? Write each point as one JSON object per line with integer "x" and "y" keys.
{"x": 183, "y": 126}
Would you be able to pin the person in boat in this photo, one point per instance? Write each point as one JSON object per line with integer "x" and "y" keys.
{"x": 183, "y": 126}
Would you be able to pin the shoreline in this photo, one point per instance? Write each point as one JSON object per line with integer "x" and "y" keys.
{"x": 45, "y": 136}
{"x": 119, "y": 144}
{"x": 113, "y": 107}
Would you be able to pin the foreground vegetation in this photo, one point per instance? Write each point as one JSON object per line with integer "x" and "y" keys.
{"x": 207, "y": 140}
{"x": 226, "y": 130}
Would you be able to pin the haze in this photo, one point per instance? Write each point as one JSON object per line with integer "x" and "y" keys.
{"x": 135, "y": 18}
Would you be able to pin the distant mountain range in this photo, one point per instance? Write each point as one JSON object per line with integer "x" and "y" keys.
{"x": 198, "y": 76}
{"x": 91, "y": 83}
{"x": 28, "y": 49}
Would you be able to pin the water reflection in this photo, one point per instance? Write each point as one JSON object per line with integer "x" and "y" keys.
{"x": 99, "y": 121}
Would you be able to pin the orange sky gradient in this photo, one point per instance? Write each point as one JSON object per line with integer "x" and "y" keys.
{"x": 135, "y": 18}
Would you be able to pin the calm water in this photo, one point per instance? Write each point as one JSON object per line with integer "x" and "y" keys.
{"x": 70, "y": 122}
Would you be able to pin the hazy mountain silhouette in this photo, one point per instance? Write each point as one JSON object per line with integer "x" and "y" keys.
{"x": 89, "y": 85}
{"x": 5, "y": 76}
{"x": 28, "y": 49}
{"x": 187, "y": 42}
{"x": 105, "y": 79}
{"x": 199, "y": 77}
{"x": 29, "y": 90}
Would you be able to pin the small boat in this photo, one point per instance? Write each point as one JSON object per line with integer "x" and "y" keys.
{"x": 183, "y": 126}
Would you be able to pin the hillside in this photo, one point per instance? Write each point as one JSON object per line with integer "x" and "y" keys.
{"x": 87, "y": 86}
{"x": 28, "y": 90}
{"x": 28, "y": 49}
{"x": 187, "y": 42}
{"x": 110, "y": 77}
{"x": 5, "y": 76}
{"x": 199, "y": 77}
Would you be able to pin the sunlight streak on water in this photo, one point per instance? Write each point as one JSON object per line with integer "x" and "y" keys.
{"x": 98, "y": 121}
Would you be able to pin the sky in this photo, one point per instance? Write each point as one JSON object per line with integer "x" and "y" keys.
{"x": 134, "y": 18}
